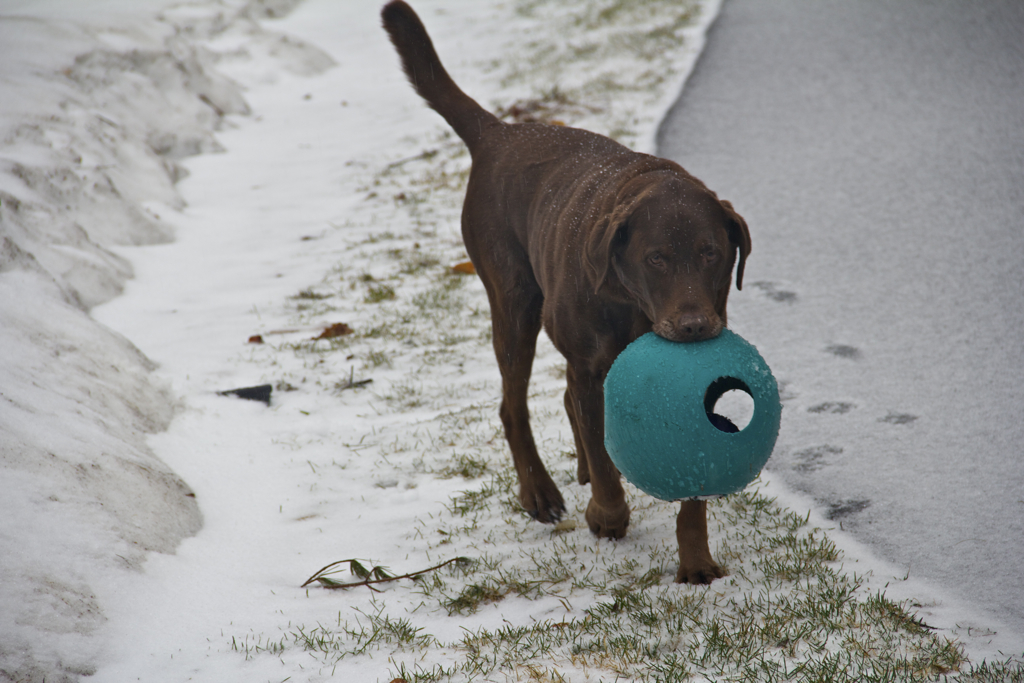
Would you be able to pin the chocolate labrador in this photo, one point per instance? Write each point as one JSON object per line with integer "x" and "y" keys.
{"x": 570, "y": 230}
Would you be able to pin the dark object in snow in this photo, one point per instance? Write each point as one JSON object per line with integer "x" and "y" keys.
{"x": 259, "y": 393}
{"x": 256, "y": 339}
{"x": 597, "y": 244}
{"x": 352, "y": 382}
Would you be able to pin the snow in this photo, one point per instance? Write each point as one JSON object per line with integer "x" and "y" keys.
{"x": 149, "y": 523}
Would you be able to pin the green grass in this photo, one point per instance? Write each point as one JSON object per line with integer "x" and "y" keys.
{"x": 377, "y": 293}
{"x": 787, "y": 610}
{"x": 822, "y": 626}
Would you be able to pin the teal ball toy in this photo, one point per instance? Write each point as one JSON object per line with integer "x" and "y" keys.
{"x": 659, "y": 399}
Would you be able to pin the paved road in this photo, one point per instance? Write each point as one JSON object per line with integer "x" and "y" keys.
{"x": 876, "y": 147}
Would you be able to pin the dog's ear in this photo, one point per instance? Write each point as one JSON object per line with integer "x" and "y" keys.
{"x": 739, "y": 235}
{"x": 608, "y": 236}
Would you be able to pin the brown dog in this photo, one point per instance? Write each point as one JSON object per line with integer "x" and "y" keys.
{"x": 572, "y": 230}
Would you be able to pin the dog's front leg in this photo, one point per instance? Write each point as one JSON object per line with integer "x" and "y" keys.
{"x": 607, "y": 513}
{"x": 695, "y": 562}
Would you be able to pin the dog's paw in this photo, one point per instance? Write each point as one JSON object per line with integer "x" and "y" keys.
{"x": 607, "y": 522}
{"x": 700, "y": 572}
{"x": 544, "y": 502}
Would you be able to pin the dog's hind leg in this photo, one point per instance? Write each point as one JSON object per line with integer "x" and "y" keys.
{"x": 516, "y": 303}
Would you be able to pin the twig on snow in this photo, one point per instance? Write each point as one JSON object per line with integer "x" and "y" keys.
{"x": 372, "y": 576}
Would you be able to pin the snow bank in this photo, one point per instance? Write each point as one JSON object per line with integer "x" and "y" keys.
{"x": 97, "y": 106}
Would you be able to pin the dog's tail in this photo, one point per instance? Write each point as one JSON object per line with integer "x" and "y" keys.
{"x": 428, "y": 77}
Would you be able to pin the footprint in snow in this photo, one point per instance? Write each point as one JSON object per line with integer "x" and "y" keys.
{"x": 815, "y": 458}
{"x": 772, "y": 291}
{"x": 845, "y": 508}
{"x": 844, "y": 351}
{"x": 785, "y": 394}
{"x": 898, "y": 418}
{"x": 832, "y": 408}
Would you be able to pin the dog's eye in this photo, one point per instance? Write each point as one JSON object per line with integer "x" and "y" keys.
{"x": 710, "y": 256}
{"x": 656, "y": 260}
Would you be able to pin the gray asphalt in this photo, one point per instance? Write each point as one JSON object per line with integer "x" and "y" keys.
{"x": 876, "y": 148}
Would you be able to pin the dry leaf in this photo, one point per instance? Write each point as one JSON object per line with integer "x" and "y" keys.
{"x": 465, "y": 268}
{"x": 335, "y": 330}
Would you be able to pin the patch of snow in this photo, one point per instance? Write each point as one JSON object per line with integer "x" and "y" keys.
{"x": 98, "y": 105}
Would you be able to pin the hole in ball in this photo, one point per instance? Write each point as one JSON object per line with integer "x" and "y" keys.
{"x": 729, "y": 404}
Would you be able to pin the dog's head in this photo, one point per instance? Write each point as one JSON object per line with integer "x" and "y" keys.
{"x": 669, "y": 245}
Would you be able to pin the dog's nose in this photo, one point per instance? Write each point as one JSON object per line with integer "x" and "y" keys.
{"x": 693, "y": 327}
